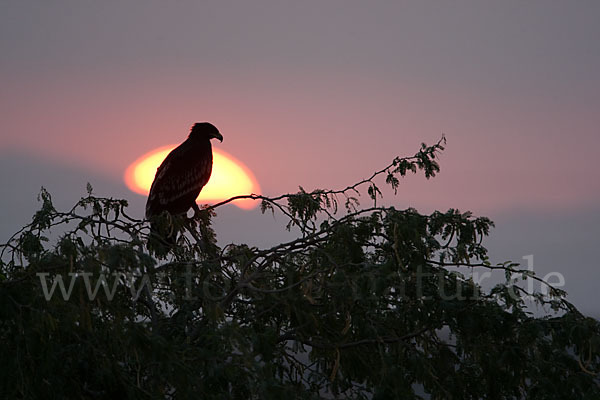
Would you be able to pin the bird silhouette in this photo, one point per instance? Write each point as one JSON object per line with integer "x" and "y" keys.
{"x": 179, "y": 180}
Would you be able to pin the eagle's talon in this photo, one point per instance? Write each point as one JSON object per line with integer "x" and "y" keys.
{"x": 197, "y": 211}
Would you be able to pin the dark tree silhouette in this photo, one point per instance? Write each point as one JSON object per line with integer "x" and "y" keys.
{"x": 366, "y": 302}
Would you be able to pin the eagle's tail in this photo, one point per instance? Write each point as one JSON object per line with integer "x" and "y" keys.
{"x": 163, "y": 234}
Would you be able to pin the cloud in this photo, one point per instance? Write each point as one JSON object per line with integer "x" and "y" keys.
{"x": 23, "y": 173}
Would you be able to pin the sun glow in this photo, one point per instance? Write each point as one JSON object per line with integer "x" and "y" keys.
{"x": 229, "y": 177}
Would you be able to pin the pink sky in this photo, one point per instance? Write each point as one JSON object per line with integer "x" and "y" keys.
{"x": 504, "y": 151}
{"x": 320, "y": 93}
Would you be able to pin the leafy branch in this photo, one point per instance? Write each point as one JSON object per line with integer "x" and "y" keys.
{"x": 371, "y": 302}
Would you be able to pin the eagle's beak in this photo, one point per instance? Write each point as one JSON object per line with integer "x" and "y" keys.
{"x": 218, "y": 136}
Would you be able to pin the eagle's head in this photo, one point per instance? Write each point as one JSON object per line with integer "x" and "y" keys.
{"x": 205, "y": 130}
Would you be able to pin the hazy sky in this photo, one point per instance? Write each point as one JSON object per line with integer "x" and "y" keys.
{"x": 319, "y": 94}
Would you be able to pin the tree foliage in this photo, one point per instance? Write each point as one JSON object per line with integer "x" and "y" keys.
{"x": 367, "y": 302}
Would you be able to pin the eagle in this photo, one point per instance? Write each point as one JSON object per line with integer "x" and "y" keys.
{"x": 182, "y": 175}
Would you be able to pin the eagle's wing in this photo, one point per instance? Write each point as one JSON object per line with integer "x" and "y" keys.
{"x": 179, "y": 180}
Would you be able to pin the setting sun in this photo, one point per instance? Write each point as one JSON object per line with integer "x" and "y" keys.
{"x": 229, "y": 177}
